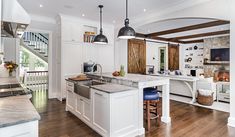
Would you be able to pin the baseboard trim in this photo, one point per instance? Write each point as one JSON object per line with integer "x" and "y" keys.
{"x": 231, "y": 121}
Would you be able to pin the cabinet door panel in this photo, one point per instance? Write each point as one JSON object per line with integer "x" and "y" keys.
{"x": 70, "y": 100}
{"x": 78, "y": 106}
{"x": 86, "y": 113}
{"x": 101, "y": 111}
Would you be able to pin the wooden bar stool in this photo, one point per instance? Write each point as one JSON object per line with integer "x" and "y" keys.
{"x": 151, "y": 99}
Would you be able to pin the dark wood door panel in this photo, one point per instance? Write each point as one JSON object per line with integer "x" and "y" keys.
{"x": 136, "y": 56}
{"x": 173, "y": 57}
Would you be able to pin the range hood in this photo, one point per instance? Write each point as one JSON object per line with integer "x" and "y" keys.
{"x": 14, "y": 19}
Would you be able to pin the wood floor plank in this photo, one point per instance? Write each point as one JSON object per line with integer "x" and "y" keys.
{"x": 187, "y": 121}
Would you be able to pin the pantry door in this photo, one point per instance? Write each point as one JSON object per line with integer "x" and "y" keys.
{"x": 137, "y": 56}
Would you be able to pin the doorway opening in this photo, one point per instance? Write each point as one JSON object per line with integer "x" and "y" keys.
{"x": 34, "y": 64}
{"x": 162, "y": 58}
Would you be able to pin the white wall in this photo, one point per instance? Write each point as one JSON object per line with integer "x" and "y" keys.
{"x": 195, "y": 58}
{"x": 152, "y": 51}
{"x": 10, "y": 48}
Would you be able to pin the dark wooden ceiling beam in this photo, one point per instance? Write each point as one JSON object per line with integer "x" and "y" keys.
{"x": 193, "y": 41}
{"x": 188, "y": 28}
{"x": 140, "y": 35}
{"x": 201, "y": 35}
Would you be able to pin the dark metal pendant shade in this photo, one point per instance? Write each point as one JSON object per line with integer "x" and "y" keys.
{"x": 100, "y": 38}
{"x": 126, "y": 32}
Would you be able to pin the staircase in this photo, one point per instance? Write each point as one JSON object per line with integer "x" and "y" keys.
{"x": 36, "y": 43}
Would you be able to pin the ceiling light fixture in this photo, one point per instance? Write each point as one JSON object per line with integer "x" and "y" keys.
{"x": 126, "y": 32}
{"x": 83, "y": 15}
{"x": 144, "y": 10}
{"x": 100, "y": 38}
{"x": 40, "y": 5}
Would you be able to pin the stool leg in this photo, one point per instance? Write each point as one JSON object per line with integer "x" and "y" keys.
{"x": 148, "y": 115}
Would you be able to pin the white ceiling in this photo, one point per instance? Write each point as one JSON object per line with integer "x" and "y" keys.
{"x": 113, "y": 9}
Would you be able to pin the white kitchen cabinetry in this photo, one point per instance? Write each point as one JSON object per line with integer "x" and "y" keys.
{"x": 86, "y": 110}
{"x": 71, "y": 32}
{"x": 79, "y": 106}
{"x": 74, "y": 51}
{"x": 223, "y": 91}
{"x": 70, "y": 102}
{"x": 28, "y": 129}
{"x": 101, "y": 111}
{"x": 110, "y": 114}
{"x": 115, "y": 114}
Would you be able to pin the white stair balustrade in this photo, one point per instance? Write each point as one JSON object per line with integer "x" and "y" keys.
{"x": 37, "y": 43}
{"x": 35, "y": 80}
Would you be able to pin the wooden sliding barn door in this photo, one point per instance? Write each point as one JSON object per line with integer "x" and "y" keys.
{"x": 136, "y": 56}
{"x": 173, "y": 57}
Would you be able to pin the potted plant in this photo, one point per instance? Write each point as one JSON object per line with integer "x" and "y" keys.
{"x": 10, "y": 66}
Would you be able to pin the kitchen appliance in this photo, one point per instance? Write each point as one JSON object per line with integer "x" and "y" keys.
{"x": 14, "y": 19}
{"x": 89, "y": 67}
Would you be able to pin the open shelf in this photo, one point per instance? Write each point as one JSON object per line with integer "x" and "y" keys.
{"x": 216, "y": 63}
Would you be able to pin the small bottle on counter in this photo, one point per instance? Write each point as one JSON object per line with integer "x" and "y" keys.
{"x": 122, "y": 71}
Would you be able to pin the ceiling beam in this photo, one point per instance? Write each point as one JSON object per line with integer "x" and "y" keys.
{"x": 191, "y": 27}
{"x": 200, "y": 35}
{"x": 193, "y": 41}
{"x": 140, "y": 35}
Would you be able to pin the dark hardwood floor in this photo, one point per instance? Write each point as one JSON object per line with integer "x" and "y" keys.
{"x": 187, "y": 121}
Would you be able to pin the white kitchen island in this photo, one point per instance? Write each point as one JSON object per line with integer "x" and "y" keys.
{"x": 122, "y": 111}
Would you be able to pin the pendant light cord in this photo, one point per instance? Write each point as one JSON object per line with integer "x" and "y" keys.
{"x": 101, "y": 30}
{"x": 126, "y": 20}
{"x": 126, "y": 9}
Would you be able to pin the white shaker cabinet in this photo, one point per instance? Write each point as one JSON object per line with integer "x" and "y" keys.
{"x": 115, "y": 114}
{"x": 101, "y": 111}
{"x": 86, "y": 110}
{"x": 71, "y": 32}
{"x": 70, "y": 102}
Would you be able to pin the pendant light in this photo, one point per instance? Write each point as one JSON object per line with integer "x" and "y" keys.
{"x": 100, "y": 38}
{"x": 126, "y": 32}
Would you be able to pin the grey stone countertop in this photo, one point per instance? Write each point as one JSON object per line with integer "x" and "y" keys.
{"x": 130, "y": 77}
{"x": 16, "y": 110}
{"x": 112, "y": 88}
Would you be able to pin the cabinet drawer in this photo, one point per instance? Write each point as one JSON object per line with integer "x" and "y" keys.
{"x": 70, "y": 86}
{"x": 224, "y": 97}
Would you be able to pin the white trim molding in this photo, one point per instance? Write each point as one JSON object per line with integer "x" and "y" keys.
{"x": 51, "y": 93}
{"x": 231, "y": 121}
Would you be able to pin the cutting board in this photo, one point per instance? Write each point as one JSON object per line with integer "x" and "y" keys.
{"x": 79, "y": 78}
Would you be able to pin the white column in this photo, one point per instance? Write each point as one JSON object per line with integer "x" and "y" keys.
{"x": 231, "y": 119}
{"x": 166, "y": 103}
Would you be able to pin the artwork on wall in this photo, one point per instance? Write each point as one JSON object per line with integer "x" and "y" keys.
{"x": 193, "y": 57}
